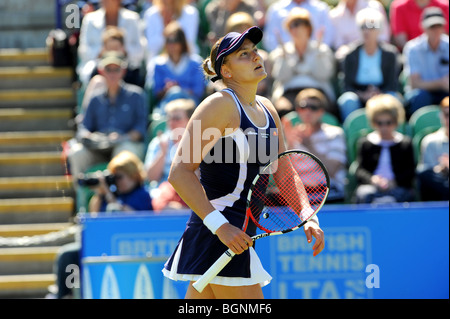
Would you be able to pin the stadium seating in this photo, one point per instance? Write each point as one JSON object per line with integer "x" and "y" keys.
{"x": 423, "y": 122}
{"x": 423, "y": 118}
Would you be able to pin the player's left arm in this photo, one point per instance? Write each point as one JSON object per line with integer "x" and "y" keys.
{"x": 311, "y": 228}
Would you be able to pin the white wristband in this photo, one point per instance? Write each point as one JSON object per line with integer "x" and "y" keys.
{"x": 214, "y": 220}
{"x": 308, "y": 212}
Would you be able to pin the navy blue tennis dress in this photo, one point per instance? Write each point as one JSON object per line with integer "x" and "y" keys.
{"x": 226, "y": 174}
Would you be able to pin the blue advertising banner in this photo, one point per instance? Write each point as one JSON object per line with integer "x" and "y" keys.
{"x": 385, "y": 251}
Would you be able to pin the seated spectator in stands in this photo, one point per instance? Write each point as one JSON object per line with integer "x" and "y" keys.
{"x": 161, "y": 152}
{"x": 275, "y": 33}
{"x": 405, "y": 18}
{"x": 324, "y": 140}
{"x": 129, "y": 195}
{"x": 385, "y": 157}
{"x": 370, "y": 68}
{"x": 92, "y": 28}
{"x": 176, "y": 73}
{"x": 426, "y": 62}
{"x": 346, "y": 28}
{"x": 433, "y": 167}
{"x": 160, "y": 14}
{"x": 218, "y": 12}
{"x": 113, "y": 40}
{"x": 162, "y": 148}
{"x": 115, "y": 120}
{"x": 302, "y": 62}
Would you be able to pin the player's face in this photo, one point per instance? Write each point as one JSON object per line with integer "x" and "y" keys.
{"x": 245, "y": 64}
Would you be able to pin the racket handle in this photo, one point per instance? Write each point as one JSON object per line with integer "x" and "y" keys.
{"x": 212, "y": 272}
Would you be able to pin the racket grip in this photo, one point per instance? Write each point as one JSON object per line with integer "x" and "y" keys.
{"x": 212, "y": 272}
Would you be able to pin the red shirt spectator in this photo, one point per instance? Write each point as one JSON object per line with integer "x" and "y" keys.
{"x": 405, "y": 18}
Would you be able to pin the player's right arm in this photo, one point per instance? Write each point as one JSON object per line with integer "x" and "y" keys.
{"x": 215, "y": 116}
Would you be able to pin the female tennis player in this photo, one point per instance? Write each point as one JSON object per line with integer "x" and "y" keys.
{"x": 230, "y": 136}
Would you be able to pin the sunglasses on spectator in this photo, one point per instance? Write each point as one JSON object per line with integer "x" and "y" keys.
{"x": 173, "y": 40}
{"x": 110, "y": 69}
{"x": 384, "y": 123}
{"x": 309, "y": 106}
{"x": 296, "y": 23}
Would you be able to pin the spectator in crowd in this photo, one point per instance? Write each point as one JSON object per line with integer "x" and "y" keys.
{"x": 275, "y": 33}
{"x": 301, "y": 62}
{"x": 239, "y": 22}
{"x": 130, "y": 195}
{"x": 162, "y": 148}
{"x": 115, "y": 119}
{"x": 160, "y": 14}
{"x": 93, "y": 26}
{"x": 346, "y": 28}
{"x": 426, "y": 62}
{"x": 405, "y": 18}
{"x": 161, "y": 152}
{"x": 113, "y": 40}
{"x": 176, "y": 72}
{"x": 324, "y": 140}
{"x": 385, "y": 158}
{"x": 433, "y": 167}
{"x": 218, "y": 12}
{"x": 370, "y": 68}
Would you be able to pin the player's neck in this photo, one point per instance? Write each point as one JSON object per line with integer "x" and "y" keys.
{"x": 246, "y": 95}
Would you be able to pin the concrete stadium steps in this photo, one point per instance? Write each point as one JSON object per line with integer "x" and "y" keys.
{"x": 35, "y": 260}
{"x": 43, "y": 141}
{"x": 21, "y": 230}
{"x": 38, "y": 98}
{"x": 20, "y": 119}
{"x": 26, "y": 286}
{"x": 36, "y": 186}
{"x": 37, "y": 104}
{"x": 23, "y": 164}
{"x": 36, "y": 210}
{"x": 35, "y": 77}
{"x": 27, "y": 57}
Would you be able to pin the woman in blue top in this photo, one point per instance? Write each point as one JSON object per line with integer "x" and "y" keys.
{"x": 231, "y": 134}
{"x": 176, "y": 73}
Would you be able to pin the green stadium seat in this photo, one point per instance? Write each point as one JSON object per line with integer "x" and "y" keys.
{"x": 427, "y": 116}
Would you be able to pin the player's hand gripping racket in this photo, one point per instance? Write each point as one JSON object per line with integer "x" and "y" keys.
{"x": 287, "y": 193}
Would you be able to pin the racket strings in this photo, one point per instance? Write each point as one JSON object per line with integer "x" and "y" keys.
{"x": 280, "y": 197}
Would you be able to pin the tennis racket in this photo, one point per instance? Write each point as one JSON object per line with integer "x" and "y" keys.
{"x": 286, "y": 194}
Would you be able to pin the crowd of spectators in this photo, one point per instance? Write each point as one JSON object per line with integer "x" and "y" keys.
{"x": 139, "y": 62}
{"x": 329, "y": 62}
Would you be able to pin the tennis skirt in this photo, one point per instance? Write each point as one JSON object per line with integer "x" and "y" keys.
{"x": 198, "y": 249}
{"x": 258, "y": 275}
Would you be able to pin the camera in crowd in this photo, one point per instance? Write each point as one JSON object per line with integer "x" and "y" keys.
{"x": 92, "y": 179}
